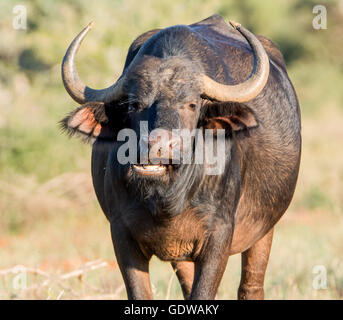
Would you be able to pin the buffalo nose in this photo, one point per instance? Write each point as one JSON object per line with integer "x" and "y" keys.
{"x": 164, "y": 138}
{"x": 162, "y": 144}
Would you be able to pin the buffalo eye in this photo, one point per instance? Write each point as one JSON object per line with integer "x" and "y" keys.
{"x": 192, "y": 106}
{"x": 133, "y": 107}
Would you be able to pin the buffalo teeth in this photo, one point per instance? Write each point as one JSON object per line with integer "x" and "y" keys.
{"x": 149, "y": 168}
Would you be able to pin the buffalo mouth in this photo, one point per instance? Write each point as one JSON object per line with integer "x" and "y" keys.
{"x": 150, "y": 169}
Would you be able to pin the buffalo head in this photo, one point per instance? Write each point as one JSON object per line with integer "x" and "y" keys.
{"x": 168, "y": 86}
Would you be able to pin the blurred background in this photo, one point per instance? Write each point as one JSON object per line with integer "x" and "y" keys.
{"x": 50, "y": 221}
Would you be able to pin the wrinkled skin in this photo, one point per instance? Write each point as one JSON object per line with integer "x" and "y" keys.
{"x": 184, "y": 216}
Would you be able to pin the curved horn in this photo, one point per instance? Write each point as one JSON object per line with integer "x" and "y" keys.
{"x": 74, "y": 85}
{"x": 248, "y": 89}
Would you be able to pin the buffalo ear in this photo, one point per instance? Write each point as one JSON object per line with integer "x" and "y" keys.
{"x": 88, "y": 121}
{"x": 234, "y": 116}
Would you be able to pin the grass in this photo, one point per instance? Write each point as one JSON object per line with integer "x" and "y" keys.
{"x": 302, "y": 241}
{"x": 49, "y": 217}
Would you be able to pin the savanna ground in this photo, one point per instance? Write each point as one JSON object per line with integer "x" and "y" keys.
{"x": 50, "y": 221}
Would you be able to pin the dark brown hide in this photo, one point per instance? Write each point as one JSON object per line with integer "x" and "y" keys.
{"x": 195, "y": 220}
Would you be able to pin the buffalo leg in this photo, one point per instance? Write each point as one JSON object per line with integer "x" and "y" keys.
{"x": 185, "y": 273}
{"x": 211, "y": 264}
{"x": 133, "y": 264}
{"x": 254, "y": 265}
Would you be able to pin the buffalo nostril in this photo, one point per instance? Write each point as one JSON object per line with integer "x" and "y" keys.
{"x": 173, "y": 144}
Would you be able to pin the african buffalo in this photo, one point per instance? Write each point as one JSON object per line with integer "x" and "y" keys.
{"x": 206, "y": 75}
